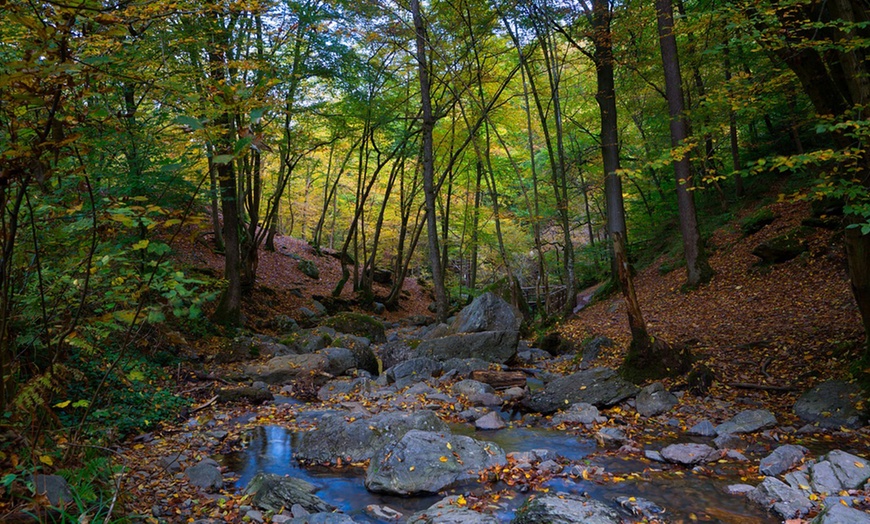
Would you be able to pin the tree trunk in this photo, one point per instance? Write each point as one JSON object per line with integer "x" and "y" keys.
{"x": 698, "y": 270}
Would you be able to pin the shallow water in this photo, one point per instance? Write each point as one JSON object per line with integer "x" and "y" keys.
{"x": 687, "y": 497}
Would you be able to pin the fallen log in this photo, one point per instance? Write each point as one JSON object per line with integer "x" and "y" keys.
{"x": 500, "y": 379}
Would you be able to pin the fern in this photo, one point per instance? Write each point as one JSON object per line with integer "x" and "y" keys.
{"x": 39, "y": 390}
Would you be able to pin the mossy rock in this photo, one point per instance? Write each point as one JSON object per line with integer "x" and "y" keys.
{"x": 782, "y": 248}
{"x": 248, "y": 394}
{"x": 308, "y": 268}
{"x": 756, "y": 221}
{"x": 358, "y": 324}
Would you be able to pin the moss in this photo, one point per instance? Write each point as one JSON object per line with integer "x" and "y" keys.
{"x": 659, "y": 360}
{"x": 756, "y": 221}
{"x": 358, "y": 324}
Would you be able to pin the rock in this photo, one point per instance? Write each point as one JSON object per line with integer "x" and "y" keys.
{"x": 601, "y": 387}
{"x": 54, "y": 487}
{"x": 254, "y": 515}
{"x": 611, "y": 436}
{"x": 837, "y": 471}
{"x": 383, "y": 513}
{"x": 729, "y": 441}
{"x": 283, "y": 370}
{"x": 272, "y": 492}
{"x": 339, "y": 360}
{"x": 359, "y": 440}
{"x": 832, "y": 404}
{"x": 690, "y": 454}
{"x": 205, "y": 475}
{"x": 382, "y": 276}
{"x": 309, "y": 269}
{"x": 781, "y": 248}
{"x": 412, "y": 371}
{"x": 579, "y": 413}
{"x": 464, "y": 366}
{"x": 654, "y": 400}
{"x": 554, "y": 343}
{"x": 747, "y": 421}
{"x": 471, "y": 387}
{"x": 489, "y": 421}
{"x": 249, "y": 394}
{"x": 487, "y": 312}
{"x": 590, "y": 350}
{"x": 398, "y": 351}
{"x": 344, "y": 386}
{"x": 172, "y": 462}
{"x": 533, "y": 355}
{"x": 359, "y": 325}
{"x": 491, "y": 346}
{"x": 840, "y": 514}
{"x": 309, "y": 340}
{"x": 361, "y": 349}
{"x": 565, "y": 509}
{"x": 425, "y": 462}
{"x": 782, "y": 499}
{"x": 448, "y": 511}
{"x": 239, "y": 349}
{"x": 782, "y": 459}
{"x": 739, "y": 489}
{"x": 653, "y": 455}
{"x": 283, "y": 324}
{"x": 643, "y": 508}
{"x": 321, "y": 518}
{"x": 702, "y": 429}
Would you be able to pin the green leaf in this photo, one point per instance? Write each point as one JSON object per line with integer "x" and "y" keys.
{"x": 142, "y": 244}
{"x": 257, "y": 114}
{"x": 81, "y": 403}
{"x": 222, "y": 159}
{"x": 189, "y": 121}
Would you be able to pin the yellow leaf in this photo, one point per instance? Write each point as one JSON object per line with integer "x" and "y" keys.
{"x": 45, "y": 459}
{"x": 443, "y": 458}
{"x": 461, "y": 500}
{"x": 63, "y": 404}
{"x": 412, "y": 468}
{"x": 451, "y": 447}
{"x": 859, "y": 465}
{"x": 142, "y": 244}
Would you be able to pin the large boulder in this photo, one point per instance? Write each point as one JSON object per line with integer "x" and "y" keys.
{"x": 563, "y": 508}
{"x": 838, "y": 471}
{"x": 654, "y": 400}
{"x": 426, "y": 462}
{"x": 412, "y": 371}
{"x": 335, "y": 438}
{"x": 781, "y": 248}
{"x": 397, "y": 351}
{"x": 206, "y": 474}
{"x": 340, "y": 360}
{"x": 601, "y": 387}
{"x": 358, "y": 324}
{"x": 286, "y": 369}
{"x": 491, "y": 346}
{"x": 449, "y": 511}
{"x": 487, "y": 312}
{"x": 832, "y": 404}
{"x": 272, "y": 492}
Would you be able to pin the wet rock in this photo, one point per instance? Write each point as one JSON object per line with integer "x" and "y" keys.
{"x": 654, "y": 400}
{"x": 780, "y": 498}
{"x": 782, "y": 459}
{"x": 704, "y": 428}
{"x": 611, "y": 436}
{"x": 54, "y": 487}
{"x": 283, "y": 370}
{"x": 425, "y": 462}
{"x": 205, "y": 475}
{"x": 490, "y": 421}
{"x": 448, "y": 511}
{"x": 383, "y": 513}
{"x": 837, "y": 471}
{"x": 738, "y": 489}
{"x": 643, "y": 508}
{"x": 412, "y": 371}
{"x": 747, "y": 421}
{"x": 690, "y": 454}
{"x": 359, "y": 440}
{"x": 491, "y": 346}
{"x": 565, "y": 509}
{"x": 359, "y": 325}
{"x": 579, "y": 413}
{"x": 840, "y": 514}
{"x": 251, "y": 395}
{"x": 601, "y": 387}
{"x": 832, "y": 404}
{"x": 486, "y": 312}
{"x": 272, "y": 492}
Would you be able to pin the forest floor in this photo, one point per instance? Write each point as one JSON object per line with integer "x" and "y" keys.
{"x": 791, "y": 325}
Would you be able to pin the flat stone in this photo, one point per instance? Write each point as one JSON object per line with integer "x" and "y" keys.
{"x": 704, "y": 428}
{"x": 782, "y": 459}
{"x": 490, "y": 421}
{"x": 689, "y": 454}
{"x": 833, "y": 405}
{"x": 601, "y": 387}
{"x": 840, "y": 514}
{"x": 738, "y": 489}
{"x": 270, "y": 492}
{"x": 205, "y": 475}
{"x": 780, "y": 498}
{"x": 54, "y": 487}
{"x": 564, "y": 508}
{"x": 748, "y": 421}
{"x": 654, "y": 400}
{"x": 578, "y": 413}
{"x": 448, "y": 511}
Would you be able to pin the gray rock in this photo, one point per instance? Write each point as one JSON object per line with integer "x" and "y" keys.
{"x": 448, "y": 511}
{"x": 321, "y": 518}
{"x": 738, "y": 489}
{"x": 780, "y": 498}
{"x": 654, "y": 455}
{"x": 532, "y": 355}
{"x": 54, "y": 487}
{"x": 840, "y": 514}
{"x": 837, "y": 471}
{"x": 487, "y": 312}
{"x": 358, "y": 324}
{"x": 590, "y": 350}
{"x": 565, "y": 509}
{"x": 383, "y": 513}
{"x": 490, "y": 421}
{"x": 309, "y": 340}
{"x": 172, "y": 462}
{"x": 471, "y": 387}
{"x": 601, "y": 387}
{"x": 690, "y": 454}
{"x": 205, "y": 475}
{"x": 250, "y": 394}
{"x": 702, "y": 429}
{"x": 464, "y": 366}
{"x": 424, "y": 462}
{"x": 283, "y": 370}
{"x": 643, "y": 508}
{"x": 747, "y": 421}
{"x": 485, "y": 399}
{"x": 782, "y": 459}
{"x": 309, "y": 269}
{"x": 412, "y": 371}
{"x": 799, "y": 479}
{"x": 395, "y": 352}
{"x": 832, "y": 405}
{"x": 611, "y": 436}
{"x": 272, "y": 492}
{"x": 359, "y": 440}
{"x": 339, "y": 360}
{"x": 729, "y": 441}
{"x": 578, "y": 413}
{"x": 491, "y": 346}
{"x": 654, "y": 400}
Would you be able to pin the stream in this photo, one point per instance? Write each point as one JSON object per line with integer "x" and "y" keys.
{"x": 686, "y": 496}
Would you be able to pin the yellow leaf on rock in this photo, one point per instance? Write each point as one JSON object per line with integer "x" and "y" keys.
{"x": 461, "y": 500}
{"x": 443, "y": 458}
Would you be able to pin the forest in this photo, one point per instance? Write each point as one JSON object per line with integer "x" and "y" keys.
{"x": 157, "y": 157}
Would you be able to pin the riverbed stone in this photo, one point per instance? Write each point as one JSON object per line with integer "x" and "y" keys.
{"x": 487, "y": 312}
{"x": 321, "y": 518}
{"x": 837, "y": 471}
{"x": 286, "y": 369}
{"x": 840, "y": 514}
{"x": 412, "y": 371}
{"x": 782, "y": 459}
{"x": 54, "y": 487}
{"x": 471, "y": 387}
{"x": 704, "y": 428}
{"x": 336, "y": 438}
{"x": 449, "y": 511}
{"x": 272, "y": 492}
{"x": 578, "y": 413}
{"x": 565, "y": 508}
{"x": 464, "y": 367}
{"x": 689, "y": 454}
{"x": 491, "y": 346}
{"x": 601, "y": 387}
{"x": 643, "y": 508}
{"x": 833, "y": 404}
{"x": 205, "y": 474}
{"x": 779, "y": 497}
{"x": 739, "y": 489}
{"x": 490, "y": 421}
{"x": 425, "y": 462}
{"x": 339, "y": 360}
{"x": 654, "y": 400}
{"x": 748, "y": 421}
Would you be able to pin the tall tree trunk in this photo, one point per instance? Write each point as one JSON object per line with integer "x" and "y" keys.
{"x": 428, "y": 124}
{"x": 732, "y": 126}
{"x": 698, "y": 269}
